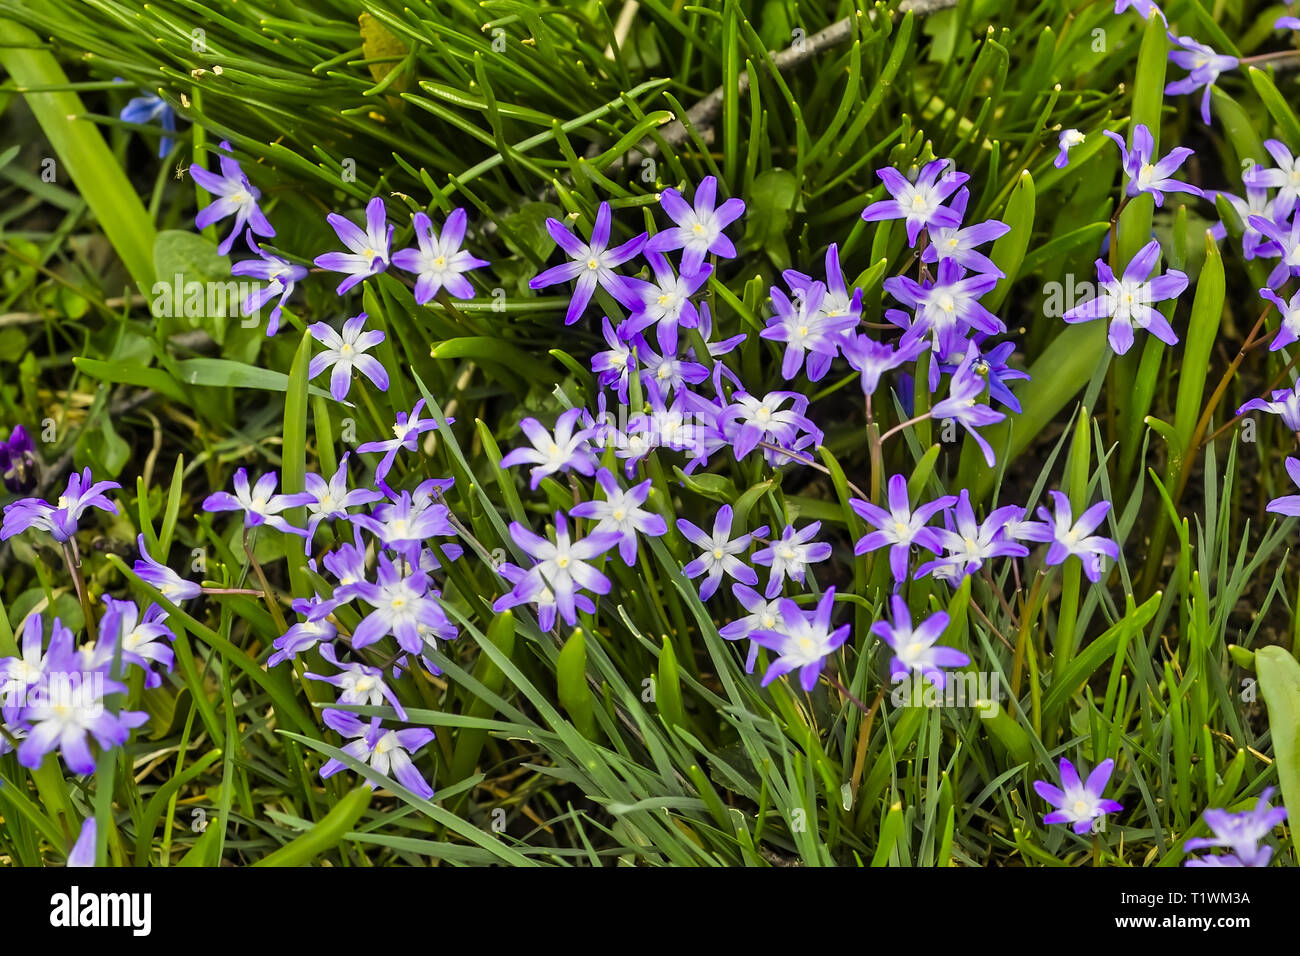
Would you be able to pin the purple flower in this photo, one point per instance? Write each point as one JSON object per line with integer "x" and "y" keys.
{"x": 143, "y": 110}
{"x": 1068, "y": 139}
{"x": 236, "y": 197}
{"x": 330, "y": 500}
{"x": 528, "y": 587}
{"x": 914, "y": 648}
{"x": 18, "y": 461}
{"x": 568, "y": 449}
{"x": 720, "y": 551}
{"x": 1288, "y": 504}
{"x": 699, "y": 229}
{"x": 1203, "y": 67}
{"x": 19, "y": 674}
{"x": 347, "y": 563}
{"x": 613, "y": 366}
{"x": 405, "y": 523}
{"x": 1286, "y": 403}
{"x": 260, "y": 504}
{"x": 947, "y": 307}
{"x": 1070, "y": 537}
{"x": 1253, "y": 242}
{"x": 431, "y": 561}
{"x": 385, "y": 751}
{"x": 59, "y": 519}
{"x": 307, "y": 633}
{"x": 764, "y": 615}
{"x": 1287, "y": 23}
{"x": 1147, "y": 174}
{"x": 401, "y": 602}
{"x": 806, "y": 329}
{"x": 836, "y": 301}
{"x": 993, "y": 367}
{"x": 873, "y": 358}
{"x": 1239, "y": 832}
{"x": 961, "y": 405}
{"x": 592, "y": 264}
{"x": 279, "y": 274}
{"x": 920, "y": 203}
{"x": 66, "y": 707}
{"x": 1288, "y": 243}
{"x": 708, "y": 431}
{"x": 344, "y": 352}
{"x": 959, "y": 244}
{"x": 790, "y": 555}
{"x": 621, "y": 513}
{"x": 143, "y": 639}
{"x": 360, "y": 685}
{"x": 722, "y": 347}
{"x": 665, "y": 426}
{"x": 1078, "y": 802}
{"x": 439, "y": 261}
{"x": 900, "y": 527}
{"x": 666, "y": 302}
{"x": 370, "y": 248}
{"x": 804, "y": 641}
{"x": 1144, "y": 8}
{"x": 83, "y": 851}
{"x": 1285, "y": 178}
{"x": 667, "y": 371}
{"x": 749, "y": 420}
{"x": 969, "y": 542}
{"x": 562, "y": 568}
{"x": 1127, "y": 301}
{"x": 405, "y": 433}
{"x": 1289, "y": 311}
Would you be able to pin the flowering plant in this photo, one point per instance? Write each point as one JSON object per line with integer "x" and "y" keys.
{"x": 662, "y": 445}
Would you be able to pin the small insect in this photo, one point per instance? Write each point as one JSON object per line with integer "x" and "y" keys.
{"x": 181, "y": 170}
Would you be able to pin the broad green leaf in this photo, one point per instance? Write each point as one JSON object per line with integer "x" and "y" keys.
{"x": 325, "y": 834}
{"x": 1279, "y": 683}
{"x": 571, "y": 677}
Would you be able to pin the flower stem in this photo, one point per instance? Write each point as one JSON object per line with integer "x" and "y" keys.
{"x": 1268, "y": 57}
{"x": 901, "y": 425}
{"x": 272, "y": 602}
{"x": 839, "y": 686}
{"x": 73, "y": 562}
{"x": 875, "y": 448}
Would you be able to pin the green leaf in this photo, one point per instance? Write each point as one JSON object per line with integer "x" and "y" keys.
{"x": 1009, "y": 250}
{"x": 185, "y": 256}
{"x": 324, "y": 835}
{"x": 294, "y": 468}
{"x": 154, "y": 379}
{"x": 1085, "y": 664}
{"x": 571, "y": 677}
{"x": 494, "y": 350}
{"x": 81, "y": 149}
{"x": 1277, "y": 107}
{"x": 378, "y": 43}
{"x": 470, "y": 741}
{"x": 226, "y": 373}
{"x": 206, "y": 849}
{"x": 668, "y": 687}
{"x": 891, "y": 831}
{"x": 1279, "y": 683}
{"x": 768, "y": 214}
